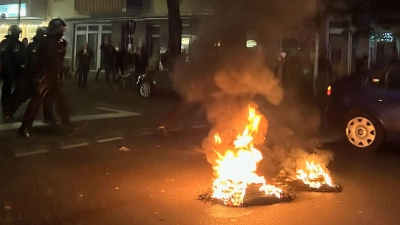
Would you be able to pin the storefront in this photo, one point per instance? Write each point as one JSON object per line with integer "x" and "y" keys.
{"x": 9, "y": 14}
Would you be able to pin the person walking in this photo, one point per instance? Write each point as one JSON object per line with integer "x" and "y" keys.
{"x": 50, "y": 65}
{"x": 109, "y": 62}
{"x": 84, "y": 56}
{"x": 12, "y": 54}
{"x": 141, "y": 61}
{"x": 29, "y": 81}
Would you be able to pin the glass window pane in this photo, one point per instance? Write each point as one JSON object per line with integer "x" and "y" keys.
{"x": 93, "y": 46}
{"x": 93, "y": 28}
{"x": 81, "y": 28}
{"x": 106, "y": 28}
{"x": 80, "y": 39}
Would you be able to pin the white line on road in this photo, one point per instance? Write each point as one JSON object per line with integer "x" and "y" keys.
{"x": 74, "y": 145}
{"x": 199, "y": 126}
{"x": 31, "y": 151}
{"x": 147, "y": 133}
{"x": 115, "y": 114}
{"x": 109, "y": 139}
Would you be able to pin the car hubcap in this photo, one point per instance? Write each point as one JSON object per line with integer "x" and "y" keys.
{"x": 145, "y": 89}
{"x": 361, "y": 132}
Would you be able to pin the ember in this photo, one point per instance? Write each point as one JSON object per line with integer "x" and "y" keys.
{"x": 235, "y": 170}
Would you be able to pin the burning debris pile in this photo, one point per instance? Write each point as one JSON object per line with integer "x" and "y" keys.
{"x": 238, "y": 184}
{"x": 235, "y": 170}
{"x": 308, "y": 172}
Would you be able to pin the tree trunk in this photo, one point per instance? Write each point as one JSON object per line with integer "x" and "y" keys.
{"x": 174, "y": 31}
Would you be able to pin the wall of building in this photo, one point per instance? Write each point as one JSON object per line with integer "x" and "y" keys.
{"x": 62, "y": 9}
{"x": 37, "y": 8}
{"x": 187, "y": 7}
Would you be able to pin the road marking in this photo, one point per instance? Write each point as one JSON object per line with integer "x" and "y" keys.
{"x": 147, "y": 133}
{"x": 199, "y": 126}
{"x": 30, "y": 151}
{"x": 109, "y": 139}
{"x": 115, "y": 114}
{"x": 74, "y": 145}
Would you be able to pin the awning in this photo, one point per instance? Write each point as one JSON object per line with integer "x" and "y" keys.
{"x": 99, "y": 6}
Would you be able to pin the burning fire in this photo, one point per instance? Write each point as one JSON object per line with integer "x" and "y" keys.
{"x": 235, "y": 170}
{"x": 315, "y": 176}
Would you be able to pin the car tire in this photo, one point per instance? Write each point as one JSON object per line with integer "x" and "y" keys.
{"x": 145, "y": 89}
{"x": 363, "y": 132}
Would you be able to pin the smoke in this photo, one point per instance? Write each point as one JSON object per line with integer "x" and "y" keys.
{"x": 225, "y": 77}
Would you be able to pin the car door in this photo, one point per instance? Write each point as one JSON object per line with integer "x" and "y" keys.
{"x": 389, "y": 109}
{"x": 163, "y": 81}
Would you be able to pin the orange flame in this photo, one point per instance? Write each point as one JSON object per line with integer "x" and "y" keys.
{"x": 315, "y": 176}
{"x": 235, "y": 170}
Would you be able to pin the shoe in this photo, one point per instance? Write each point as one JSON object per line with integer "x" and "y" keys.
{"x": 24, "y": 132}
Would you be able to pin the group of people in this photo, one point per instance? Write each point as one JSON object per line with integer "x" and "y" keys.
{"x": 32, "y": 72}
{"x": 115, "y": 60}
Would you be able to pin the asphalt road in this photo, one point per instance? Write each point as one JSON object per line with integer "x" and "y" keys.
{"x": 87, "y": 179}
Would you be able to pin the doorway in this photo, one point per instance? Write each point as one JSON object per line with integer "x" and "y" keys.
{"x": 94, "y": 35}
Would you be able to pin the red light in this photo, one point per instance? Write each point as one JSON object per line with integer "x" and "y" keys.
{"x": 329, "y": 91}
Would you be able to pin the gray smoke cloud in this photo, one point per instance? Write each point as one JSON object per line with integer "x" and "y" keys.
{"x": 227, "y": 78}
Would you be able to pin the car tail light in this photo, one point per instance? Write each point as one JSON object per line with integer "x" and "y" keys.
{"x": 329, "y": 91}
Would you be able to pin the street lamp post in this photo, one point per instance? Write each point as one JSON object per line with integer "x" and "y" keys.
{"x": 19, "y": 12}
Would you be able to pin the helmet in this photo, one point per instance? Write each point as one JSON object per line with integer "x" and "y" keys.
{"x": 56, "y": 26}
{"x": 41, "y": 31}
{"x": 14, "y": 31}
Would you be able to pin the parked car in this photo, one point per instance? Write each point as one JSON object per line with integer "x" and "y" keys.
{"x": 366, "y": 107}
{"x": 154, "y": 82}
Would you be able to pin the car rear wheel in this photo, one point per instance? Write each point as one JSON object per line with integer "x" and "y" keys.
{"x": 364, "y": 132}
{"x": 145, "y": 89}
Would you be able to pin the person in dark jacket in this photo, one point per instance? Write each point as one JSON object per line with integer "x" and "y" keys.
{"x": 50, "y": 65}
{"x": 109, "y": 55}
{"x": 29, "y": 81}
{"x": 12, "y": 54}
{"x": 84, "y": 57}
{"x": 141, "y": 61}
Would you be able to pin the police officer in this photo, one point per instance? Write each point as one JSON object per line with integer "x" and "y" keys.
{"x": 50, "y": 65}
{"x": 29, "y": 81}
{"x": 12, "y": 53}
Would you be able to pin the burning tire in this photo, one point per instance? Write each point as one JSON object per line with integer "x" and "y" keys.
{"x": 145, "y": 89}
{"x": 364, "y": 132}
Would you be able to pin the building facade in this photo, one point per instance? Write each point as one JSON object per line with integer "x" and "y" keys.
{"x": 33, "y": 14}
{"x": 94, "y": 21}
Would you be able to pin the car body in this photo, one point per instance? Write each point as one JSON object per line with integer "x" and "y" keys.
{"x": 366, "y": 106}
{"x": 153, "y": 82}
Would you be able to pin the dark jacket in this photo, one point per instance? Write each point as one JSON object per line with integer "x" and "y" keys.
{"x": 109, "y": 54}
{"x": 120, "y": 56}
{"x": 84, "y": 57}
{"x": 13, "y": 57}
{"x": 51, "y": 63}
{"x": 141, "y": 63}
{"x": 32, "y": 71}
